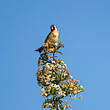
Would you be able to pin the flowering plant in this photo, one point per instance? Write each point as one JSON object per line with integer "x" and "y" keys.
{"x": 55, "y": 80}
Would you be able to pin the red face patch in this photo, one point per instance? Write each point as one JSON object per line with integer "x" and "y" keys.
{"x": 52, "y": 26}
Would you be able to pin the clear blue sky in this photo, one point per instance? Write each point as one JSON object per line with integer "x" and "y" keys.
{"x": 84, "y": 27}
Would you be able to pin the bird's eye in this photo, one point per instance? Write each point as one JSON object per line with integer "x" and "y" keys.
{"x": 52, "y": 28}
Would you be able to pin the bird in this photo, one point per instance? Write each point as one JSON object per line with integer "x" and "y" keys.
{"x": 51, "y": 40}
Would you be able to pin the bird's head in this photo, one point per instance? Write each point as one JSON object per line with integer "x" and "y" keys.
{"x": 53, "y": 27}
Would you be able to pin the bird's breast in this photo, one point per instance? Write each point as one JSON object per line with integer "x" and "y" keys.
{"x": 56, "y": 36}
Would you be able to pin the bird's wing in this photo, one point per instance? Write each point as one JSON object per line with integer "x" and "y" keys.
{"x": 52, "y": 37}
{"x": 47, "y": 37}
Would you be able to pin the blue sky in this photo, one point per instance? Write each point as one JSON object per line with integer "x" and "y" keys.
{"x": 84, "y": 27}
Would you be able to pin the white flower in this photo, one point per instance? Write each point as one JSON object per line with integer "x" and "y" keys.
{"x": 62, "y": 61}
{"x": 42, "y": 91}
{"x": 45, "y": 105}
{"x": 65, "y": 65}
{"x": 49, "y": 76}
{"x": 81, "y": 86}
{"x": 71, "y": 76}
{"x": 59, "y": 66}
{"x": 47, "y": 65}
{"x": 53, "y": 62}
{"x": 50, "y": 105}
{"x": 53, "y": 78}
{"x": 75, "y": 92}
{"x": 62, "y": 93}
{"x": 52, "y": 65}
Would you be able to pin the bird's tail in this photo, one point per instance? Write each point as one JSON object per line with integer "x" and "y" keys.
{"x": 39, "y": 49}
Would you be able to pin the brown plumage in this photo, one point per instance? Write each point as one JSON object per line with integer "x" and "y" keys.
{"x": 51, "y": 39}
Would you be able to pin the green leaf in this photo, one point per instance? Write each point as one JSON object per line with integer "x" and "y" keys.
{"x": 58, "y": 52}
{"x": 44, "y": 57}
{"x": 50, "y": 57}
{"x": 61, "y": 76}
